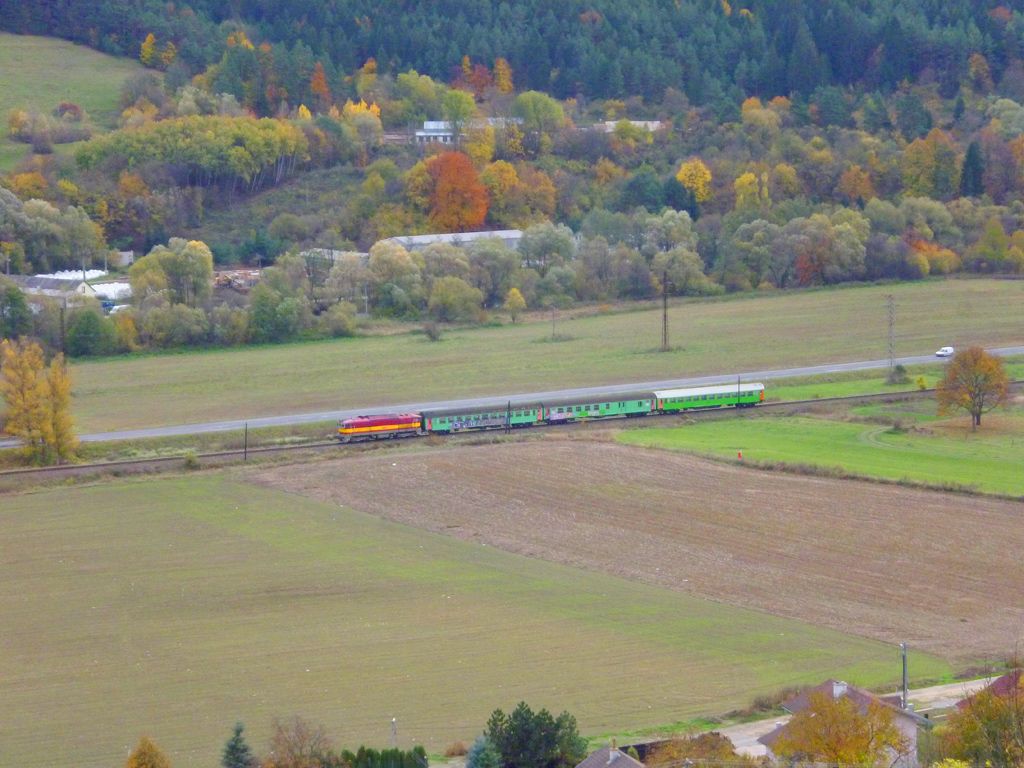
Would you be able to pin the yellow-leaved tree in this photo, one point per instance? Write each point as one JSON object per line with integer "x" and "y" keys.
{"x": 63, "y": 442}
{"x": 696, "y": 177}
{"x": 24, "y": 390}
{"x": 975, "y": 382}
{"x": 836, "y": 731}
{"x": 38, "y": 402}
{"x": 147, "y": 755}
{"x": 514, "y": 303}
{"x": 147, "y": 51}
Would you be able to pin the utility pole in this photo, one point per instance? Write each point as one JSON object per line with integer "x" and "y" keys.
{"x": 892, "y": 330}
{"x": 63, "y": 338}
{"x": 393, "y": 741}
{"x": 664, "y": 311}
{"x": 903, "y": 694}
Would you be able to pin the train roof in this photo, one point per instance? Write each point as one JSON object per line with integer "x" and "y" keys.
{"x": 719, "y": 389}
{"x": 500, "y": 406}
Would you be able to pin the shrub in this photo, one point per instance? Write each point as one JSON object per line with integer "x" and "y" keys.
{"x": 456, "y": 749}
{"x": 432, "y": 331}
{"x": 898, "y": 375}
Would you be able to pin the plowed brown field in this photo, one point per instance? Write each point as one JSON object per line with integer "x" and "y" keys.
{"x": 942, "y": 572}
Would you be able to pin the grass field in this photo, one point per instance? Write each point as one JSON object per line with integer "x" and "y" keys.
{"x": 37, "y": 73}
{"x": 175, "y": 607}
{"x": 853, "y": 383}
{"x": 745, "y": 334}
{"x": 932, "y": 452}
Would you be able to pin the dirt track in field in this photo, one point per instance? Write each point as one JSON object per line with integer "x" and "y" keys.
{"x": 943, "y": 572}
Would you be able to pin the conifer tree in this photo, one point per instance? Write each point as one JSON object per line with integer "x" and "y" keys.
{"x": 971, "y": 184}
{"x": 236, "y": 751}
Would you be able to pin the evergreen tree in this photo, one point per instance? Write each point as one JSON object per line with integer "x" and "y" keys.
{"x": 236, "y": 751}
{"x": 15, "y": 316}
{"x": 971, "y": 184}
{"x": 483, "y": 754}
{"x": 912, "y": 117}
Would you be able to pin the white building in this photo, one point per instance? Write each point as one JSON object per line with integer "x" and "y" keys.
{"x": 509, "y": 237}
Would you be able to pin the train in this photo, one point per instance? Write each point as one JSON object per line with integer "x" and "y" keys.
{"x": 519, "y": 414}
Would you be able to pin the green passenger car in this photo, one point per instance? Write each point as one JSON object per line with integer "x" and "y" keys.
{"x": 598, "y": 407}
{"x": 494, "y": 416}
{"x": 739, "y": 395}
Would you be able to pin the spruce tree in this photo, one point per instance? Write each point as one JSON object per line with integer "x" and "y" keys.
{"x": 971, "y": 184}
{"x": 236, "y": 752}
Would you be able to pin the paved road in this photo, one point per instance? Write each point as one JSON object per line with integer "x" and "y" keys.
{"x": 321, "y": 416}
{"x": 745, "y": 735}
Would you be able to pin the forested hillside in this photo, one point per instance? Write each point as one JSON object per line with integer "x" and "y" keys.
{"x": 697, "y": 148}
{"x": 715, "y": 51}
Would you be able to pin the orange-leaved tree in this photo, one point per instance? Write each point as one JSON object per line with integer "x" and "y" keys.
{"x": 975, "y": 382}
{"x": 458, "y": 199}
{"x": 835, "y": 730}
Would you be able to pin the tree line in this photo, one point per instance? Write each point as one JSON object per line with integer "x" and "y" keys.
{"x": 716, "y": 52}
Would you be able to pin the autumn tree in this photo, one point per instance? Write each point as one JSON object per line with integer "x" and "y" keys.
{"x": 453, "y": 299}
{"x": 931, "y": 166}
{"x": 457, "y": 107}
{"x": 147, "y": 755}
{"x": 975, "y": 381}
{"x": 855, "y": 185}
{"x": 297, "y": 744}
{"x": 707, "y": 747}
{"x": 458, "y": 199}
{"x": 24, "y": 390}
{"x": 319, "y": 88}
{"x": 514, "y": 303}
{"x": 184, "y": 268}
{"x": 61, "y": 433}
{"x": 502, "y": 75}
{"x": 696, "y": 177}
{"x": 147, "y": 51}
{"x": 836, "y": 731}
{"x": 988, "y": 731}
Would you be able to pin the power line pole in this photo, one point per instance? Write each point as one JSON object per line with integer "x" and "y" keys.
{"x": 903, "y": 693}
{"x": 892, "y": 330}
{"x": 664, "y": 311}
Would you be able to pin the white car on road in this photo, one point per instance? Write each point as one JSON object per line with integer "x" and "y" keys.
{"x": 944, "y": 352}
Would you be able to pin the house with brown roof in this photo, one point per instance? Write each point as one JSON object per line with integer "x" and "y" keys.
{"x": 609, "y": 757}
{"x": 907, "y": 721}
{"x": 1004, "y": 687}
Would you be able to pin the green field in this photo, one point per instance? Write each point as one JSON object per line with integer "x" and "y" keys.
{"x": 37, "y": 73}
{"x": 174, "y": 607}
{"x": 940, "y": 454}
{"x": 742, "y": 333}
{"x": 855, "y": 383}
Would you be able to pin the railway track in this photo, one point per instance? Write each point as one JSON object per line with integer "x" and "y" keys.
{"x": 192, "y": 461}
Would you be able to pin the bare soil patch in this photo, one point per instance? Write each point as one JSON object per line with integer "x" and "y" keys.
{"x": 942, "y": 572}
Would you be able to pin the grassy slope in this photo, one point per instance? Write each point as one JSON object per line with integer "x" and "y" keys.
{"x": 767, "y": 331}
{"x": 37, "y": 73}
{"x": 175, "y": 607}
{"x": 989, "y": 460}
